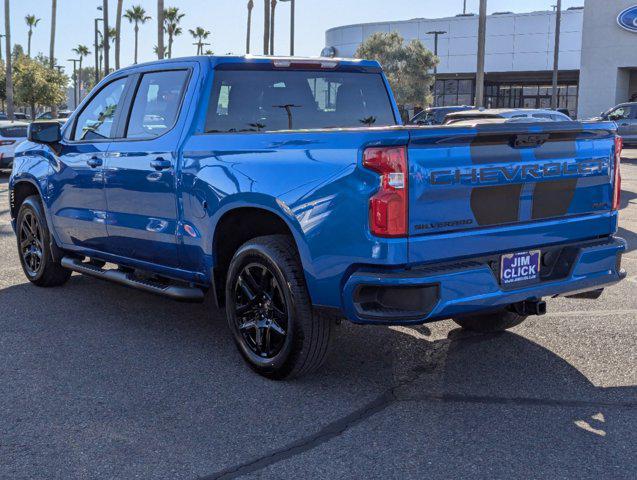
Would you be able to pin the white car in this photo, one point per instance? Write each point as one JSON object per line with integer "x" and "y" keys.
{"x": 508, "y": 115}
{"x": 12, "y": 134}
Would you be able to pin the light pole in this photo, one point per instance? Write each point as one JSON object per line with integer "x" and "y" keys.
{"x": 556, "y": 54}
{"x": 292, "y": 21}
{"x": 250, "y": 7}
{"x": 436, "y": 34}
{"x": 74, "y": 60}
{"x": 464, "y": 8}
{"x": 482, "y": 36}
{"x": 272, "y": 9}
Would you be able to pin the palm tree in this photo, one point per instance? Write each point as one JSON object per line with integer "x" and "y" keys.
{"x": 100, "y": 45}
{"x": 136, "y": 15}
{"x": 172, "y": 17}
{"x": 54, "y": 8}
{"x": 118, "y": 31}
{"x": 32, "y": 22}
{"x": 9, "y": 76}
{"x": 160, "y": 29}
{"x": 266, "y": 27}
{"x": 200, "y": 35}
{"x": 107, "y": 34}
{"x": 250, "y": 7}
{"x": 81, "y": 51}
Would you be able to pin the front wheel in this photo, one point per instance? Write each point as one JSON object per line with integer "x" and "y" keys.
{"x": 34, "y": 246}
{"x": 490, "y": 322}
{"x": 269, "y": 310}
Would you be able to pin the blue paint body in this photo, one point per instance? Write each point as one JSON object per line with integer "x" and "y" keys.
{"x": 126, "y": 212}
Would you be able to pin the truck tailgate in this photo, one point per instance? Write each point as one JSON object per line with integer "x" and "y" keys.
{"x": 508, "y": 186}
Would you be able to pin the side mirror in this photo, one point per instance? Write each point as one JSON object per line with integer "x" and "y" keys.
{"x": 44, "y": 132}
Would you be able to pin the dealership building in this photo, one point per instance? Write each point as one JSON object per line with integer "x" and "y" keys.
{"x": 597, "y": 64}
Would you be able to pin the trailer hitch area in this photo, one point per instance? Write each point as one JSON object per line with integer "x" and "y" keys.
{"x": 530, "y": 307}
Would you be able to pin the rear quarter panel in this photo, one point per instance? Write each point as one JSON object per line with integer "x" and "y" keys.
{"x": 312, "y": 180}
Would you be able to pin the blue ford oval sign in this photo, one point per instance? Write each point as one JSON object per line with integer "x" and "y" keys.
{"x": 628, "y": 19}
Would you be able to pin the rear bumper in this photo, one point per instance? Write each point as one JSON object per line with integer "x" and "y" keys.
{"x": 469, "y": 286}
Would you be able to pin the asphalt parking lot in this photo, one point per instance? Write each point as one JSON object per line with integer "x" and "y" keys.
{"x": 99, "y": 381}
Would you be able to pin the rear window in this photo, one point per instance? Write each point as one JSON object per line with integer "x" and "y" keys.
{"x": 17, "y": 131}
{"x": 265, "y": 101}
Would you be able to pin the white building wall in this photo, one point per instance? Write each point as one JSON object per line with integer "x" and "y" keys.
{"x": 515, "y": 42}
{"x": 609, "y": 58}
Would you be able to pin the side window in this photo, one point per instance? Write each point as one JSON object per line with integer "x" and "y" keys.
{"x": 620, "y": 113}
{"x": 97, "y": 119}
{"x": 156, "y": 104}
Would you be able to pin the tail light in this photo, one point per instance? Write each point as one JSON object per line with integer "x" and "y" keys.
{"x": 617, "y": 181}
{"x": 4, "y": 143}
{"x": 388, "y": 207}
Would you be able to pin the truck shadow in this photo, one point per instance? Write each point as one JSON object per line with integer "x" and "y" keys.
{"x": 110, "y": 363}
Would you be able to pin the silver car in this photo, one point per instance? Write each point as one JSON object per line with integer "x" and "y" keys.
{"x": 625, "y": 116}
{"x": 512, "y": 115}
{"x": 12, "y": 134}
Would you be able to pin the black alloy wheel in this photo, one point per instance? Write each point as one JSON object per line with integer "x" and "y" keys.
{"x": 31, "y": 244}
{"x": 269, "y": 310}
{"x": 260, "y": 310}
{"x": 35, "y": 246}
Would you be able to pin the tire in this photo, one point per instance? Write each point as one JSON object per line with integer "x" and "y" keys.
{"x": 270, "y": 313}
{"x": 490, "y": 322}
{"x": 34, "y": 247}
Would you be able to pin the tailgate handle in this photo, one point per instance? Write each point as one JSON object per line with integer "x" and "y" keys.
{"x": 530, "y": 140}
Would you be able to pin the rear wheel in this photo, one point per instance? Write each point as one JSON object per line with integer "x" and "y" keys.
{"x": 34, "y": 246}
{"x": 269, "y": 310}
{"x": 490, "y": 322}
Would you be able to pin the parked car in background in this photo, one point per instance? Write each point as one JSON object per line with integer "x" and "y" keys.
{"x": 509, "y": 114}
{"x": 625, "y": 115}
{"x": 436, "y": 115}
{"x": 12, "y": 134}
{"x": 62, "y": 114}
{"x": 21, "y": 116}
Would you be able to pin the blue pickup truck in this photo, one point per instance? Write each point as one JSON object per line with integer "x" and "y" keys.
{"x": 288, "y": 191}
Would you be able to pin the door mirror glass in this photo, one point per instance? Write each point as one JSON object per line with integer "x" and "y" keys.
{"x": 44, "y": 132}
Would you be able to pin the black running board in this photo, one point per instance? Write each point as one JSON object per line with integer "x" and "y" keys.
{"x": 183, "y": 293}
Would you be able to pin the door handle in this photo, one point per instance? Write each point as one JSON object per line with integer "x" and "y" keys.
{"x": 94, "y": 162}
{"x": 160, "y": 164}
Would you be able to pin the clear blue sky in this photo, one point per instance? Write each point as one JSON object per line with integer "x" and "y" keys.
{"x": 226, "y": 19}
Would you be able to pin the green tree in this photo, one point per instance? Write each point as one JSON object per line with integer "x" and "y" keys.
{"x": 81, "y": 51}
{"x": 3, "y": 85}
{"x": 136, "y": 15}
{"x": 37, "y": 84}
{"x": 32, "y": 22}
{"x": 199, "y": 34}
{"x": 407, "y": 66}
{"x": 100, "y": 46}
{"x": 172, "y": 17}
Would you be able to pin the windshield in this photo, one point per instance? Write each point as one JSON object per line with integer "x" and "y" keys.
{"x": 261, "y": 101}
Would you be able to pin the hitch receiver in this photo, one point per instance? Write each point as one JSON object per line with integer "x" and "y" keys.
{"x": 530, "y": 307}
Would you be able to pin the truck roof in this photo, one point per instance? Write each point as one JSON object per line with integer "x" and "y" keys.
{"x": 258, "y": 59}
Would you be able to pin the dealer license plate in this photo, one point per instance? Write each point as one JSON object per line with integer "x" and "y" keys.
{"x": 520, "y": 267}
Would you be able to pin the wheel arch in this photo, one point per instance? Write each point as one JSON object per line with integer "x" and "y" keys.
{"x": 20, "y": 190}
{"x": 241, "y": 223}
